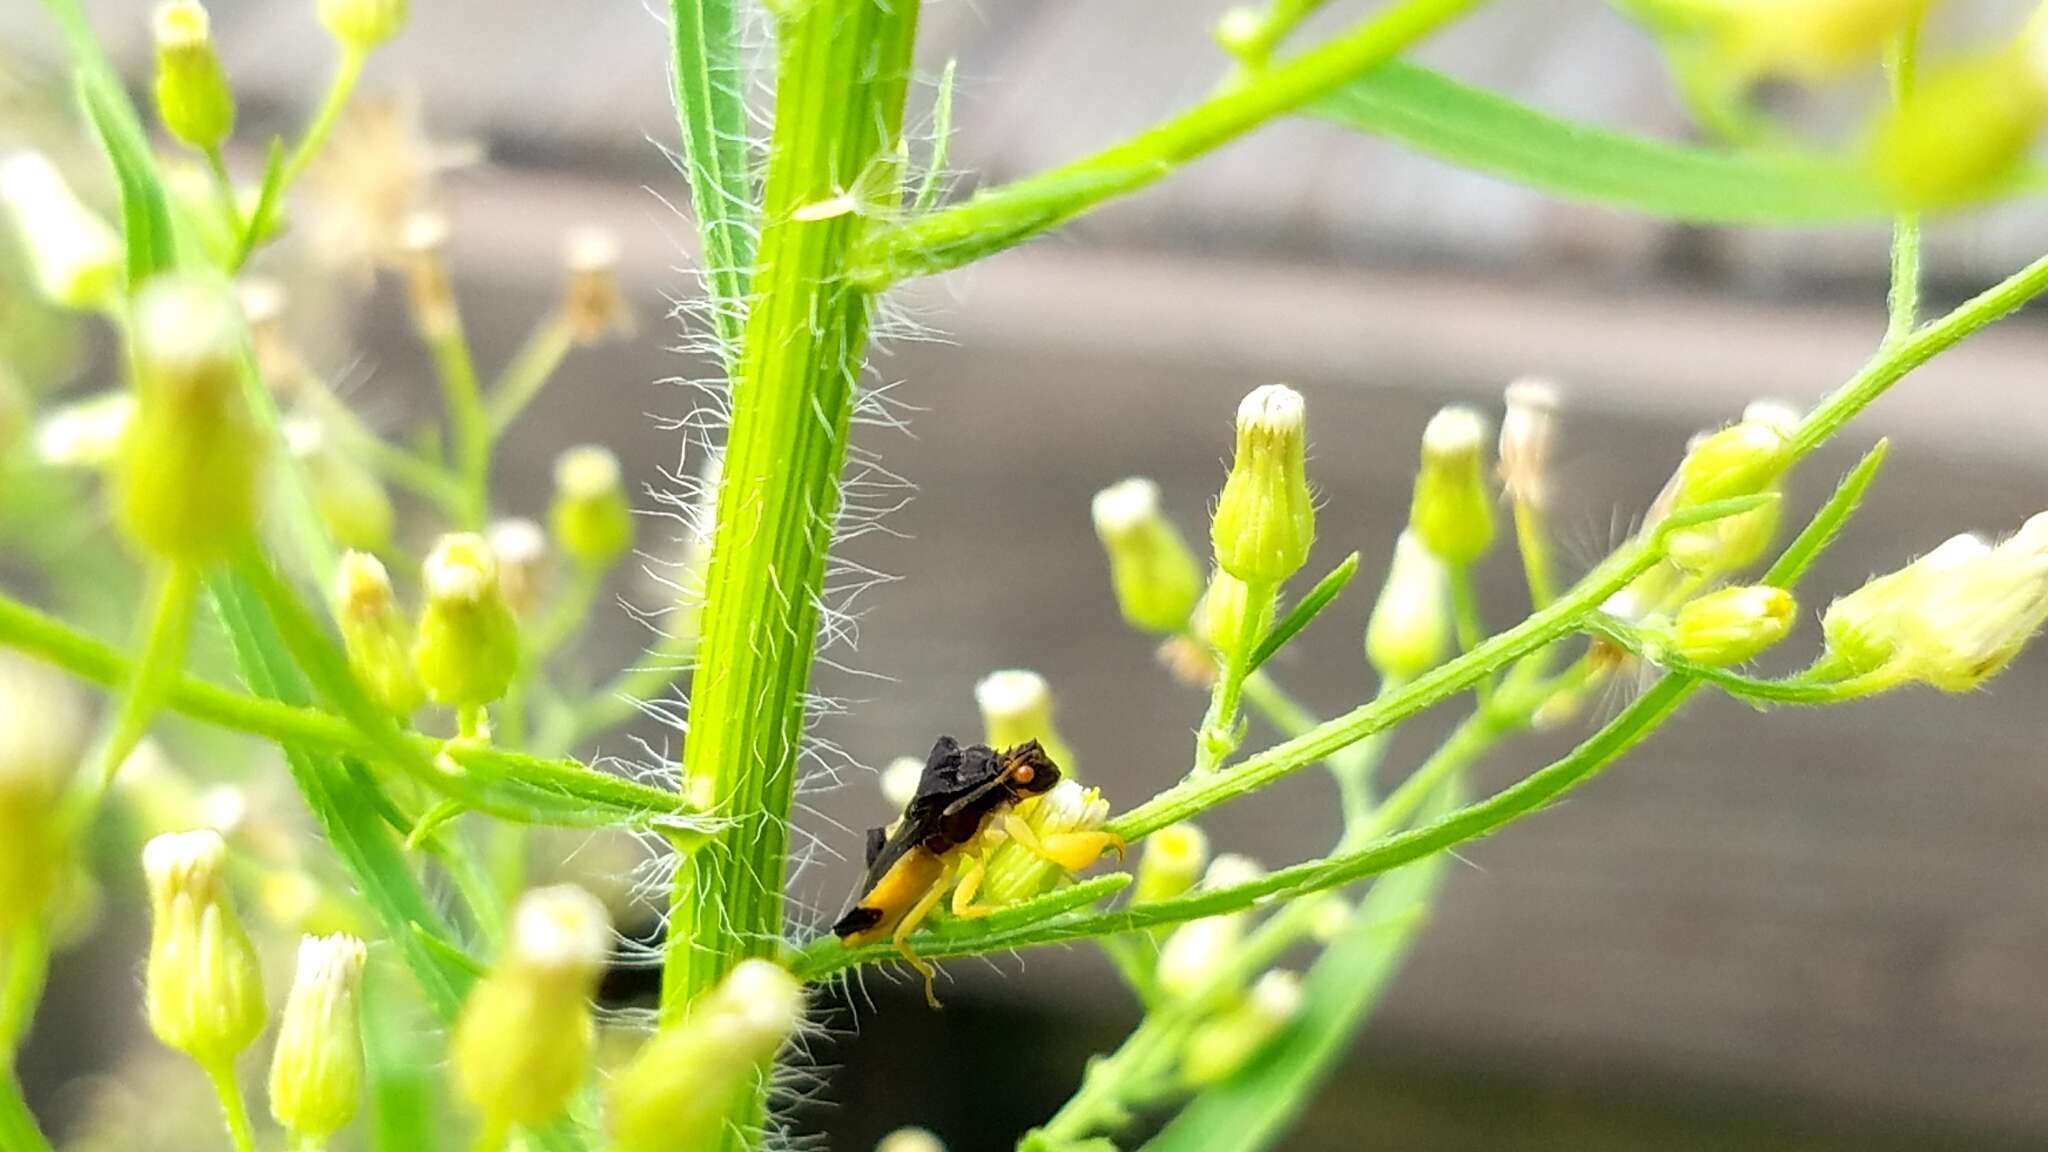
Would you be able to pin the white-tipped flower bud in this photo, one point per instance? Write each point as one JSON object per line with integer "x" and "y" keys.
{"x": 316, "y": 1074}
{"x": 1966, "y": 622}
{"x": 1266, "y": 518}
{"x": 593, "y": 523}
{"x": 1219, "y": 1047}
{"x": 360, "y": 25}
{"x": 468, "y": 643}
{"x": 1173, "y": 859}
{"x": 1741, "y": 460}
{"x": 1016, "y": 706}
{"x": 204, "y": 984}
{"x": 1198, "y": 951}
{"x": 375, "y": 633}
{"x": 910, "y": 1140}
{"x": 1864, "y": 629}
{"x": 899, "y": 781}
{"x": 42, "y": 730}
{"x": 87, "y": 434}
{"x": 679, "y": 1089}
{"x": 523, "y": 1040}
{"x": 193, "y": 456}
{"x": 1156, "y": 576}
{"x": 1732, "y": 625}
{"x": 522, "y": 551}
{"x": 192, "y": 94}
{"x": 76, "y": 257}
{"x": 1410, "y": 629}
{"x": 592, "y": 304}
{"x": 1527, "y": 433}
{"x": 1452, "y": 512}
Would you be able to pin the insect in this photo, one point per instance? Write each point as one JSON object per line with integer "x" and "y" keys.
{"x": 943, "y": 840}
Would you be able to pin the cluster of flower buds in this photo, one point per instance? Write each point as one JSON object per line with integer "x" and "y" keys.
{"x": 1951, "y": 619}
{"x": 525, "y": 1035}
{"x": 679, "y": 1089}
{"x": 1746, "y": 458}
{"x": 316, "y": 1072}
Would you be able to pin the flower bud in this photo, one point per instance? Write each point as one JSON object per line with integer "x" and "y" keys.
{"x": 1967, "y": 621}
{"x": 1742, "y": 459}
{"x": 1016, "y": 706}
{"x": 593, "y": 523}
{"x": 360, "y": 25}
{"x": 1809, "y": 40}
{"x": 1865, "y": 628}
{"x": 1219, "y": 1047}
{"x": 1220, "y": 619}
{"x": 1155, "y": 573}
{"x": 1198, "y": 951}
{"x": 88, "y": 433}
{"x": 204, "y": 984}
{"x": 1015, "y": 873}
{"x": 375, "y": 633}
{"x": 42, "y": 735}
{"x": 192, "y": 94}
{"x": 523, "y": 1039}
{"x": 77, "y": 259}
{"x": 522, "y": 551}
{"x": 1330, "y": 917}
{"x": 1732, "y": 625}
{"x": 592, "y": 304}
{"x": 910, "y": 1140}
{"x": 1266, "y": 518}
{"x": 1173, "y": 859}
{"x": 468, "y": 643}
{"x": 1410, "y": 629}
{"x": 316, "y": 1074}
{"x": 678, "y": 1091}
{"x": 189, "y": 470}
{"x": 349, "y": 498}
{"x": 899, "y": 781}
{"x": 1963, "y": 132}
{"x": 1241, "y": 31}
{"x": 1526, "y": 435}
{"x": 1452, "y": 512}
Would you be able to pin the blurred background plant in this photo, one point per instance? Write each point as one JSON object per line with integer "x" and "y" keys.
{"x": 427, "y": 760}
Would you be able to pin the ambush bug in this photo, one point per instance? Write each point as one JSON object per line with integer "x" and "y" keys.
{"x": 965, "y": 803}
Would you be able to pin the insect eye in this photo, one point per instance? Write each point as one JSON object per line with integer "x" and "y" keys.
{"x": 1024, "y": 773}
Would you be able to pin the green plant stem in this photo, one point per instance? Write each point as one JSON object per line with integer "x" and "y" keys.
{"x": 1467, "y": 622}
{"x": 468, "y": 426}
{"x": 1221, "y": 731}
{"x": 19, "y": 1131}
{"x": 1902, "y": 304}
{"x": 233, "y": 1108}
{"x": 1352, "y": 766}
{"x": 176, "y": 586}
{"x": 565, "y": 617}
{"x": 1006, "y": 216}
{"x": 842, "y": 75}
{"x": 1532, "y": 540}
{"x": 224, "y": 189}
{"x": 530, "y": 370}
{"x": 348, "y": 69}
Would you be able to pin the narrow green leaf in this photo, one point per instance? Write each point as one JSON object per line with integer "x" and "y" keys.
{"x": 711, "y": 106}
{"x": 1476, "y": 129}
{"x": 1305, "y": 612}
{"x": 145, "y": 215}
{"x": 942, "y": 142}
{"x": 1254, "y": 1109}
{"x": 260, "y": 217}
{"x": 1827, "y": 524}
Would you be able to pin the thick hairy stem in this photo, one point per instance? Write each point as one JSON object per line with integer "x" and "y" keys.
{"x": 844, "y": 70}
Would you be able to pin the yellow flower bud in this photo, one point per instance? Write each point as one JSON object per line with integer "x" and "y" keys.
{"x": 1220, "y": 618}
{"x": 1155, "y": 573}
{"x": 1864, "y": 629}
{"x": 592, "y": 304}
{"x": 592, "y": 521}
{"x": 1410, "y": 629}
{"x": 678, "y": 1090}
{"x": 42, "y": 731}
{"x": 360, "y": 25}
{"x": 1963, "y": 133}
{"x": 1266, "y": 518}
{"x": 1219, "y": 1047}
{"x": 203, "y": 985}
{"x": 1966, "y": 621}
{"x": 316, "y": 1073}
{"x": 523, "y": 1040}
{"x": 350, "y": 499}
{"x": 192, "y": 94}
{"x": 468, "y": 643}
{"x": 1016, "y": 706}
{"x": 1452, "y": 511}
{"x": 189, "y": 469}
{"x": 522, "y": 551}
{"x": 1740, "y": 460}
{"x": 1732, "y": 625}
{"x": 1197, "y": 952}
{"x": 375, "y": 633}
{"x": 77, "y": 259}
{"x": 1173, "y": 859}
{"x": 1808, "y": 39}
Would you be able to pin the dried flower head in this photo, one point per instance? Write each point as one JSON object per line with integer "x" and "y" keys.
{"x": 592, "y": 303}
{"x": 1527, "y": 433}
{"x": 522, "y": 551}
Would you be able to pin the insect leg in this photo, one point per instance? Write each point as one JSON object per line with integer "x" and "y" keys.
{"x": 1072, "y": 851}
{"x": 907, "y": 925}
{"x": 971, "y": 877}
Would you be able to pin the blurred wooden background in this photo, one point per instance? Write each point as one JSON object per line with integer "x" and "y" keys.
{"x": 1815, "y": 930}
